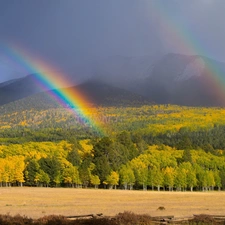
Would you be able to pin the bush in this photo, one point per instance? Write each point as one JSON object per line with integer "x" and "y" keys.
{"x": 125, "y": 218}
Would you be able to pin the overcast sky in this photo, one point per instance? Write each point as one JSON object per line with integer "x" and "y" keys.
{"x": 72, "y": 32}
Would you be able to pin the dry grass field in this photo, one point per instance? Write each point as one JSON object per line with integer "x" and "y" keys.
{"x": 38, "y": 202}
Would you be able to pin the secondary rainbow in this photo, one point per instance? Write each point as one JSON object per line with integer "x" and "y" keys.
{"x": 51, "y": 79}
{"x": 187, "y": 42}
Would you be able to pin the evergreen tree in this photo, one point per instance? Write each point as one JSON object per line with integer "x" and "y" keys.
{"x": 187, "y": 156}
{"x": 31, "y": 172}
{"x": 53, "y": 167}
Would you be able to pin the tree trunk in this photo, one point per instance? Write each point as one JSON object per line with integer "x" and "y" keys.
{"x": 144, "y": 187}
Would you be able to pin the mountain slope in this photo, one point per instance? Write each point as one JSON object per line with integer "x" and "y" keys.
{"x": 6, "y": 83}
{"x": 96, "y": 93}
{"x": 125, "y": 72}
{"x": 185, "y": 80}
{"x": 103, "y": 94}
{"x": 172, "y": 79}
{"x": 19, "y": 88}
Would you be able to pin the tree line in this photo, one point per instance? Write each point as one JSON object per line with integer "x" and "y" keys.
{"x": 164, "y": 147}
{"x": 125, "y": 161}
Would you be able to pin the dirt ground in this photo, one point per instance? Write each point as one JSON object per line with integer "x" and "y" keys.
{"x": 38, "y": 202}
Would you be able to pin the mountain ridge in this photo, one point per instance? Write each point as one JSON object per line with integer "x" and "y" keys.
{"x": 95, "y": 93}
{"x": 172, "y": 79}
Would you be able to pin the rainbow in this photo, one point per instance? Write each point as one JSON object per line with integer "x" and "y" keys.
{"x": 187, "y": 42}
{"x": 51, "y": 79}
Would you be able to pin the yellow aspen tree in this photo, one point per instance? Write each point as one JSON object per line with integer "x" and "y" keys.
{"x": 112, "y": 180}
{"x": 19, "y": 166}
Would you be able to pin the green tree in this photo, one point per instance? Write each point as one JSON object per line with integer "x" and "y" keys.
{"x": 181, "y": 178}
{"x": 140, "y": 143}
{"x": 74, "y": 157}
{"x": 190, "y": 174}
{"x": 70, "y": 175}
{"x": 42, "y": 178}
{"x": 103, "y": 157}
{"x": 155, "y": 178}
{"x": 95, "y": 180}
{"x": 191, "y": 179}
{"x": 217, "y": 179}
{"x": 169, "y": 176}
{"x": 84, "y": 171}
{"x": 140, "y": 168}
{"x": 222, "y": 177}
{"x": 185, "y": 143}
{"x": 210, "y": 180}
{"x": 127, "y": 177}
{"x": 124, "y": 138}
{"x": 53, "y": 167}
{"x": 112, "y": 179}
{"x": 31, "y": 172}
{"x": 187, "y": 156}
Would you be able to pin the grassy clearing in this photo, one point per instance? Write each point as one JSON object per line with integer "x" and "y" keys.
{"x": 39, "y": 202}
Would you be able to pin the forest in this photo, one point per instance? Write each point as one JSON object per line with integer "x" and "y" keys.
{"x": 149, "y": 147}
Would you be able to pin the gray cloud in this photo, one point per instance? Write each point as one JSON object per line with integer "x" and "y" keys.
{"x": 72, "y": 32}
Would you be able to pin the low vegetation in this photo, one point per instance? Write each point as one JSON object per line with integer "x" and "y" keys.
{"x": 126, "y": 218}
{"x": 120, "y": 219}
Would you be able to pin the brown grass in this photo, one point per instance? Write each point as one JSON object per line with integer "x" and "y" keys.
{"x": 39, "y": 202}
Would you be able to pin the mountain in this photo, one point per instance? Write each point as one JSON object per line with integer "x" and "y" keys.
{"x": 96, "y": 93}
{"x": 125, "y": 72}
{"x": 185, "y": 80}
{"x": 100, "y": 93}
{"x": 6, "y": 83}
{"x": 18, "y": 88}
{"x": 171, "y": 79}
{"x": 28, "y": 85}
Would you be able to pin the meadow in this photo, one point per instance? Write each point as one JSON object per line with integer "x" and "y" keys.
{"x": 39, "y": 202}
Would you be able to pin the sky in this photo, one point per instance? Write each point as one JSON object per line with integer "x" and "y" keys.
{"x": 68, "y": 33}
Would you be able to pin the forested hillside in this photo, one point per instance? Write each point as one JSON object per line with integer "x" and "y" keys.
{"x": 149, "y": 146}
{"x": 166, "y": 124}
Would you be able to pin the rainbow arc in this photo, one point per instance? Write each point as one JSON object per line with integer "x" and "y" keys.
{"x": 188, "y": 42}
{"x": 51, "y": 79}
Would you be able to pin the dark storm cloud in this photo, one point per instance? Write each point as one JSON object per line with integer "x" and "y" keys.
{"x": 72, "y": 32}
